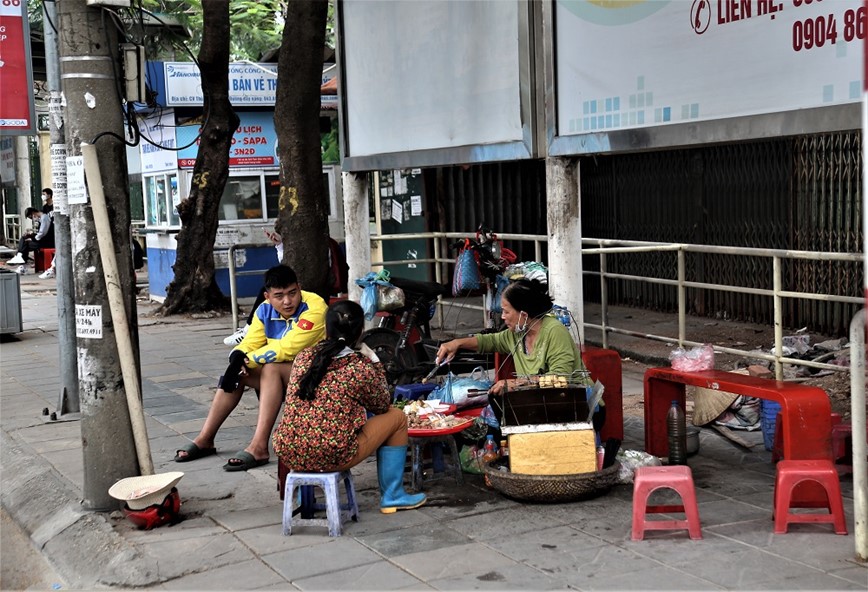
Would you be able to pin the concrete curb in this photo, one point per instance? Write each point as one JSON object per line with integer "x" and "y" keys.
{"x": 47, "y": 507}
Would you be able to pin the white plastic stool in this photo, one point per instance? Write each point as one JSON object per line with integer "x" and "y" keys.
{"x": 336, "y": 512}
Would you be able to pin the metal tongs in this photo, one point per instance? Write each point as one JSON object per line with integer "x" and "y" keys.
{"x": 434, "y": 371}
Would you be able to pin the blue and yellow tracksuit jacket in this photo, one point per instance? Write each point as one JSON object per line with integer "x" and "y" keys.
{"x": 272, "y": 338}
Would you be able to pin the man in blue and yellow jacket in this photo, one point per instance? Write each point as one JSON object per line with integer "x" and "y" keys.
{"x": 288, "y": 321}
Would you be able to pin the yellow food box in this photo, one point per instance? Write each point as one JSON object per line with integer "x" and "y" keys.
{"x": 552, "y": 449}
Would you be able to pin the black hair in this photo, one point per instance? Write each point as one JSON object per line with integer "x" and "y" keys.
{"x": 344, "y": 322}
{"x": 30, "y": 211}
{"x": 48, "y": 190}
{"x": 528, "y": 296}
{"x": 280, "y": 276}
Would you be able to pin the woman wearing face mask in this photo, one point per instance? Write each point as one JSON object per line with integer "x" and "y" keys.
{"x": 539, "y": 343}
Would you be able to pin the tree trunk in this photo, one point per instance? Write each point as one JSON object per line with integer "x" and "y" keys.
{"x": 303, "y": 208}
{"x": 194, "y": 288}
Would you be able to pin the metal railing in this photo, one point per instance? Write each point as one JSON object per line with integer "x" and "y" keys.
{"x": 12, "y": 227}
{"x": 233, "y": 275}
{"x": 607, "y": 247}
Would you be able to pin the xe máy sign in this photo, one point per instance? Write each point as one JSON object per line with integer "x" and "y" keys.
{"x": 16, "y": 77}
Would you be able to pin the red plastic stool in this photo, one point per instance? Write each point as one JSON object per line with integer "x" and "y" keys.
{"x": 43, "y": 259}
{"x": 792, "y": 472}
{"x": 678, "y": 478}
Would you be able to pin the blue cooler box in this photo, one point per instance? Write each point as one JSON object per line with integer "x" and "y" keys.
{"x": 413, "y": 392}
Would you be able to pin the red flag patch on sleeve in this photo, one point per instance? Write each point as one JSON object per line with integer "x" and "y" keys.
{"x": 305, "y": 324}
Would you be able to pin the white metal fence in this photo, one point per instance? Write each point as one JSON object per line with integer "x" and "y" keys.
{"x": 606, "y": 248}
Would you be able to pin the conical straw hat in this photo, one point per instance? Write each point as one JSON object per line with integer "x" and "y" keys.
{"x": 146, "y": 490}
{"x": 708, "y": 404}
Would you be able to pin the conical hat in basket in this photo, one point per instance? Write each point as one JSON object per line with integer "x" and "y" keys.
{"x": 146, "y": 490}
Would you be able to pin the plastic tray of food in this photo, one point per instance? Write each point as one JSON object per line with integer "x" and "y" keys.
{"x": 453, "y": 428}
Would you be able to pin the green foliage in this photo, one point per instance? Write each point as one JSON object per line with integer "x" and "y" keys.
{"x": 331, "y": 152}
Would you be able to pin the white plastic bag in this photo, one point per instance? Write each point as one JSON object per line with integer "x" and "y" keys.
{"x": 633, "y": 459}
{"x": 693, "y": 360}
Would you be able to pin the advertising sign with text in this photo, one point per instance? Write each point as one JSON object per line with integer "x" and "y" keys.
{"x": 254, "y": 143}
{"x": 627, "y": 65}
{"x": 17, "y": 113}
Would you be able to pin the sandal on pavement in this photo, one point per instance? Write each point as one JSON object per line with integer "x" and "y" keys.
{"x": 193, "y": 452}
{"x": 245, "y": 461}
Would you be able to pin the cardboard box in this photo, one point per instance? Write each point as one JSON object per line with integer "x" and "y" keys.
{"x": 552, "y": 449}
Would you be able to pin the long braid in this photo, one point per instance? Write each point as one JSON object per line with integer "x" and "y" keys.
{"x": 344, "y": 323}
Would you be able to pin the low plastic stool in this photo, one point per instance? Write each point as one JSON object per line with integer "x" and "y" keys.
{"x": 42, "y": 259}
{"x": 417, "y": 443}
{"x": 678, "y": 478}
{"x": 792, "y": 472}
{"x": 336, "y": 512}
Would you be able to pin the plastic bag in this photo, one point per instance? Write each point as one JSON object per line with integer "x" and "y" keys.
{"x": 456, "y": 391}
{"x": 489, "y": 418}
{"x": 369, "y": 284}
{"x": 389, "y": 297}
{"x": 466, "y": 277}
{"x": 694, "y": 360}
{"x": 500, "y": 284}
{"x": 470, "y": 459}
{"x": 633, "y": 459}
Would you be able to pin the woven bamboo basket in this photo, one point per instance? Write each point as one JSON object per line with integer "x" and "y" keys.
{"x": 552, "y": 488}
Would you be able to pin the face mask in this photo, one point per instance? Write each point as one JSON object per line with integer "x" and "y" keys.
{"x": 521, "y": 325}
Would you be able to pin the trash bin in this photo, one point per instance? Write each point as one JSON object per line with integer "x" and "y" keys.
{"x": 10, "y": 302}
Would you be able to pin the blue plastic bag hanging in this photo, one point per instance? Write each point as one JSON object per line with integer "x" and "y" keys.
{"x": 500, "y": 284}
{"x": 369, "y": 285}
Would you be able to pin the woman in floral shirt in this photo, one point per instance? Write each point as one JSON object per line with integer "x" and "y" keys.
{"x": 325, "y": 426}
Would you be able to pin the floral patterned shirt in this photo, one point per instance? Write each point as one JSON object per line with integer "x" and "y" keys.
{"x": 321, "y": 434}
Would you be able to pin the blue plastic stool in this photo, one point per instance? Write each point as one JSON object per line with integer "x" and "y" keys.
{"x": 336, "y": 512}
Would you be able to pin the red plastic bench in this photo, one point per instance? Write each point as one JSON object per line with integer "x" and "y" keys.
{"x": 806, "y": 414}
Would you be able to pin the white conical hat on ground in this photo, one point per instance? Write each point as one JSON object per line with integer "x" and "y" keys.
{"x": 146, "y": 490}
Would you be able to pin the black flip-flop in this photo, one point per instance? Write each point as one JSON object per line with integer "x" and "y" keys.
{"x": 193, "y": 452}
{"x": 248, "y": 461}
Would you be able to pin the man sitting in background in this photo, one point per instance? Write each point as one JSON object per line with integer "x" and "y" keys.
{"x": 30, "y": 240}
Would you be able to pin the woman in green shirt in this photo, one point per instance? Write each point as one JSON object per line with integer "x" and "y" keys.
{"x": 537, "y": 341}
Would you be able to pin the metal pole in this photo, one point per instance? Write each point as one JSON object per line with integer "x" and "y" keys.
{"x": 233, "y": 289}
{"x": 779, "y": 317}
{"x": 604, "y": 301}
{"x": 858, "y": 426}
{"x": 68, "y": 405}
{"x": 682, "y": 299}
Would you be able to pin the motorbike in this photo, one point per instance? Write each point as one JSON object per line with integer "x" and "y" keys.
{"x": 402, "y": 338}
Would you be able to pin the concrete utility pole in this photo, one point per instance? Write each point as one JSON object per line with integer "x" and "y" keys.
{"x": 68, "y": 404}
{"x": 89, "y": 74}
{"x": 358, "y": 231}
{"x": 564, "y": 219}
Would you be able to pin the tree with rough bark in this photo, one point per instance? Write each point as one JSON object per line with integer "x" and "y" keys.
{"x": 302, "y": 218}
{"x": 194, "y": 287}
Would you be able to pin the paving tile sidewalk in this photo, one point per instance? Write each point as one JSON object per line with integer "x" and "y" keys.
{"x": 467, "y": 537}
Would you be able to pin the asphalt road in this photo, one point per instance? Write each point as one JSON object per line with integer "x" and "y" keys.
{"x": 22, "y": 566}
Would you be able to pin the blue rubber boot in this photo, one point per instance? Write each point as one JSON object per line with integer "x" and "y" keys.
{"x": 390, "y": 474}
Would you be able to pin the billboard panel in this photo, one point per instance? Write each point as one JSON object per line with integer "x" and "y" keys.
{"x": 431, "y": 75}
{"x": 641, "y": 64}
{"x": 17, "y": 113}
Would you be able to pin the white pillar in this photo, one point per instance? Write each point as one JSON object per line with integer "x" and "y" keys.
{"x": 565, "y": 236}
{"x": 357, "y": 227}
{"x": 22, "y": 179}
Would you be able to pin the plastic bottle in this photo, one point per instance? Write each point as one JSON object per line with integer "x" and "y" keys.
{"x": 676, "y": 425}
{"x": 490, "y": 449}
{"x": 504, "y": 448}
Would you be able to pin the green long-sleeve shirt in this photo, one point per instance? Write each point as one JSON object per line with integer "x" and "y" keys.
{"x": 554, "y": 351}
